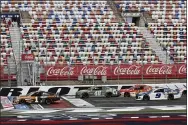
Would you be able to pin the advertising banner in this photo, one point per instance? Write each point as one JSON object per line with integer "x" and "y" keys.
{"x": 28, "y": 57}
{"x": 124, "y": 71}
{"x": 6, "y": 103}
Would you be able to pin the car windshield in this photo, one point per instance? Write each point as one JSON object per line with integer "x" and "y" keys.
{"x": 132, "y": 87}
{"x": 31, "y": 93}
{"x": 107, "y": 87}
{"x": 149, "y": 91}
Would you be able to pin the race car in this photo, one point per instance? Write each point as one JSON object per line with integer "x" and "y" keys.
{"x": 131, "y": 92}
{"x": 96, "y": 91}
{"x": 38, "y": 97}
{"x": 160, "y": 94}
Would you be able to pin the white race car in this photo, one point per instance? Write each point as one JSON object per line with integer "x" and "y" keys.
{"x": 160, "y": 94}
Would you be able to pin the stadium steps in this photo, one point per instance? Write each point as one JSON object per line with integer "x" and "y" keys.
{"x": 163, "y": 56}
{"x": 117, "y": 13}
{"x": 16, "y": 45}
{"x": 25, "y": 74}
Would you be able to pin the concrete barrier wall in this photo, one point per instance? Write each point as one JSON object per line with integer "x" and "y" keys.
{"x": 71, "y": 90}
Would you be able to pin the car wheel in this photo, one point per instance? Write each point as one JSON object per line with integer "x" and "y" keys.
{"x": 126, "y": 94}
{"x": 146, "y": 98}
{"x": 48, "y": 101}
{"x": 85, "y": 95}
{"x": 109, "y": 94}
{"x": 170, "y": 97}
{"x": 22, "y": 101}
{"x": 184, "y": 92}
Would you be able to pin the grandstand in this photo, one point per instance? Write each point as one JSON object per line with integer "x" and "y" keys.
{"x": 79, "y": 42}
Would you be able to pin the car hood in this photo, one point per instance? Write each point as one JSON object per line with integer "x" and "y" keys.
{"x": 126, "y": 90}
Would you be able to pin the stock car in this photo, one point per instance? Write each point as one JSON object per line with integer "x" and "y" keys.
{"x": 131, "y": 92}
{"x": 37, "y": 97}
{"x": 96, "y": 91}
{"x": 159, "y": 94}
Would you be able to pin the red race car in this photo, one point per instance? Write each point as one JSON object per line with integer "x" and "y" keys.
{"x": 132, "y": 91}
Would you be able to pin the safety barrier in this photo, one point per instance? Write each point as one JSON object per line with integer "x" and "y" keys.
{"x": 71, "y": 90}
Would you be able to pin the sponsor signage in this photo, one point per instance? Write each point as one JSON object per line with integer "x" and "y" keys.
{"x": 69, "y": 90}
{"x": 6, "y": 103}
{"x": 28, "y": 57}
{"x": 113, "y": 71}
{"x": 21, "y": 106}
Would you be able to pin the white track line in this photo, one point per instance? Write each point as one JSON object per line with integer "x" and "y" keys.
{"x": 134, "y": 117}
{"x": 109, "y": 118}
{"x": 94, "y": 118}
{"x": 165, "y": 116}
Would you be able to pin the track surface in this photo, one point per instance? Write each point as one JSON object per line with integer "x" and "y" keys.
{"x": 127, "y": 102}
{"x": 118, "y": 119}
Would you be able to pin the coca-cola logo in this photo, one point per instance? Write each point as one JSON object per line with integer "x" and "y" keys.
{"x": 131, "y": 70}
{"x": 99, "y": 70}
{"x": 165, "y": 69}
{"x": 65, "y": 71}
{"x": 28, "y": 57}
{"x": 182, "y": 69}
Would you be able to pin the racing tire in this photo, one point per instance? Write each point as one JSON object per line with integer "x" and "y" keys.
{"x": 126, "y": 94}
{"x": 85, "y": 95}
{"x": 170, "y": 97}
{"x": 184, "y": 93}
{"x": 22, "y": 101}
{"x": 108, "y": 95}
{"x": 48, "y": 101}
{"x": 146, "y": 98}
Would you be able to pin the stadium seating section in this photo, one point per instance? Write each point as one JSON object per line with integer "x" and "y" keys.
{"x": 86, "y": 32}
{"x": 170, "y": 26}
{"x": 6, "y": 46}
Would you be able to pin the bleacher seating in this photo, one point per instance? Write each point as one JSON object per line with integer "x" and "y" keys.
{"x": 80, "y": 32}
{"x": 6, "y": 46}
{"x": 170, "y": 23}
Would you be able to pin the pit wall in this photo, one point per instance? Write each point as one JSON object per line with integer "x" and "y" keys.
{"x": 71, "y": 90}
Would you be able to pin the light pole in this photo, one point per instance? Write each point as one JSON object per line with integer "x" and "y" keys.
{"x": 166, "y": 66}
{"x": 111, "y": 63}
{"x": 69, "y": 63}
{"x": 119, "y": 62}
{"x": 142, "y": 70}
{"x": 46, "y": 64}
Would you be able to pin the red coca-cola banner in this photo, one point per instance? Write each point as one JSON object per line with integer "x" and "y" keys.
{"x": 28, "y": 57}
{"x": 61, "y": 72}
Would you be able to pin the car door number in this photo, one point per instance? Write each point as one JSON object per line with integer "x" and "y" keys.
{"x": 158, "y": 95}
{"x": 97, "y": 93}
{"x": 36, "y": 99}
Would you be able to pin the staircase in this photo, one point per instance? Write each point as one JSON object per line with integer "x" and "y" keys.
{"x": 16, "y": 45}
{"x": 155, "y": 46}
{"x": 26, "y": 73}
{"x": 117, "y": 14}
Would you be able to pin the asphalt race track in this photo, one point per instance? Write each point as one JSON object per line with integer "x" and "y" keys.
{"x": 128, "y": 101}
{"x": 119, "y": 119}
